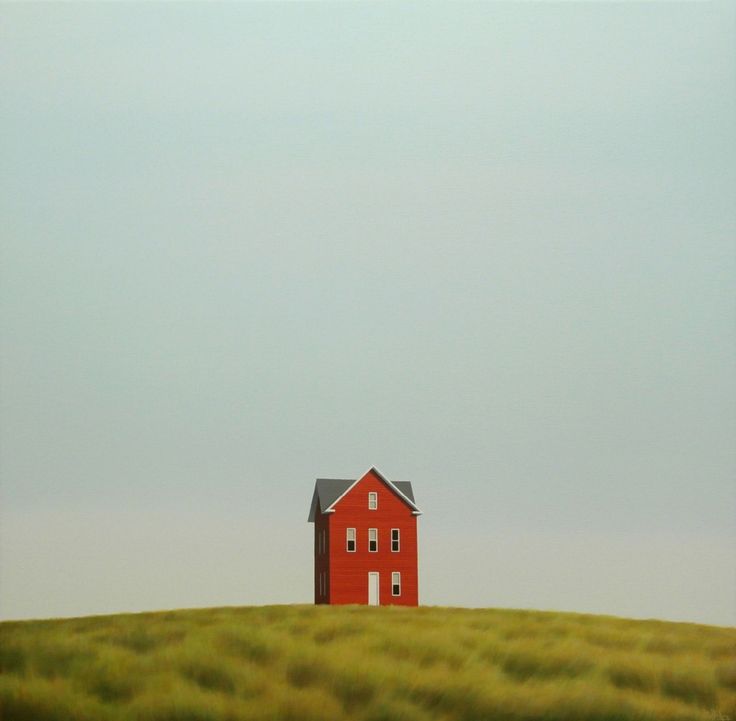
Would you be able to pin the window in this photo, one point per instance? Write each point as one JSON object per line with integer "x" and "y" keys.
{"x": 372, "y": 501}
{"x": 395, "y": 540}
{"x": 395, "y": 583}
{"x": 350, "y": 538}
{"x": 372, "y": 540}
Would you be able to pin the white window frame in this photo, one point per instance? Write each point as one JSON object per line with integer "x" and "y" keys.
{"x": 398, "y": 540}
{"x": 354, "y": 539}
{"x": 372, "y": 500}
{"x": 394, "y": 576}
{"x": 375, "y": 531}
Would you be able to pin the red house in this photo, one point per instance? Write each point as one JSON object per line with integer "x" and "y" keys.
{"x": 365, "y": 541}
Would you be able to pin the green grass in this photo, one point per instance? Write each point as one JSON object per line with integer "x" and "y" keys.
{"x": 306, "y": 663}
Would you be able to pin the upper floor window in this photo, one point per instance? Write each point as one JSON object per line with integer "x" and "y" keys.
{"x": 395, "y": 583}
{"x": 372, "y": 501}
{"x": 350, "y": 538}
{"x": 372, "y": 540}
{"x": 395, "y": 540}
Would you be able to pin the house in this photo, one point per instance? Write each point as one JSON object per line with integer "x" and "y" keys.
{"x": 365, "y": 541}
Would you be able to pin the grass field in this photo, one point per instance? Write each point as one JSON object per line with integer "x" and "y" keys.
{"x": 306, "y": 663}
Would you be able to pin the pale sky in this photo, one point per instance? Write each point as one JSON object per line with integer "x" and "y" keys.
{"x": 488, "y": 248}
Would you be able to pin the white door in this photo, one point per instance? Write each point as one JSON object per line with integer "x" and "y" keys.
{"x": 373, "y": 588}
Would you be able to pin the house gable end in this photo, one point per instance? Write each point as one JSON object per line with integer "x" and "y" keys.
{"x": 393, "y": 487}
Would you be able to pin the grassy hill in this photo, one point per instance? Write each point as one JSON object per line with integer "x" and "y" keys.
{"x": 306, "y": 663}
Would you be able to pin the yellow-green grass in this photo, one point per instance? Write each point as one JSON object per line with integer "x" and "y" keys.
{"x": 306, "y": 663}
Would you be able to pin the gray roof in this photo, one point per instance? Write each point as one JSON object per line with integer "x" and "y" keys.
{"x": 405, "y": 488}
{"x": 328, "y": 490}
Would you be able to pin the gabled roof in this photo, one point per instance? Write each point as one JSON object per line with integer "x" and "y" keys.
{"x": 328, "y": 491}
{"x": 405, "y": 488}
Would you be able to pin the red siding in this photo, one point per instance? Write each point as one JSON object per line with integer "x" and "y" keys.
{"x": 348, "y": 572}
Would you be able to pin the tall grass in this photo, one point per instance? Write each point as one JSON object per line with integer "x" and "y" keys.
{"x": 305, "y": 663}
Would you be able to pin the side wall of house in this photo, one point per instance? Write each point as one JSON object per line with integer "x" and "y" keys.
{"x": 349, "y": 570}
{"x": 321, "y": 558}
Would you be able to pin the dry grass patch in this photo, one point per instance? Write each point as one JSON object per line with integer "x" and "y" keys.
{"x": 692, "y": 684}
{"x": 633, "y": 672}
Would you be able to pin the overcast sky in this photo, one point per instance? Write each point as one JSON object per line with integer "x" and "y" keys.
{"x": 487, "y": 248}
